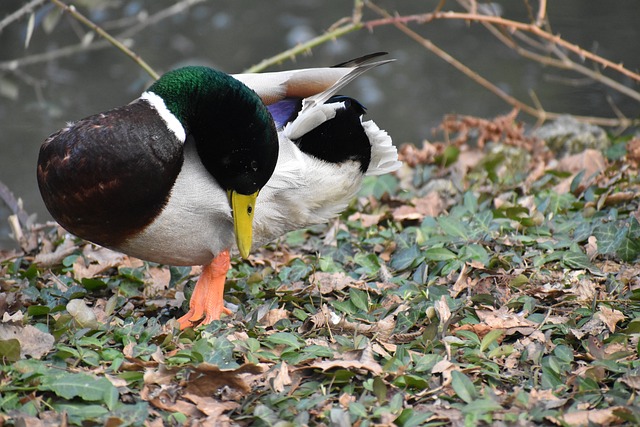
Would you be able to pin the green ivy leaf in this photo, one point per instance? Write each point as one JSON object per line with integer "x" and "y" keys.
{"x": 629, "y": 249}
{"x": 577, "y": 260}
{"x": 359, "y": 298}
{"x": 285, "y": 338}
{"x": 608, "y": 237}
{"x": 377, "y": 186}
{"x": 475, "y": 252}
{"x": 86, "y": 387}
{"x": 453, "y": 227}
{"x": 491, "y": 337}
{"x": 463, "y": 386}
{"x": 10, "y": 350}
{"x": 439, "y": 254}
{"x": 405, "y": 258}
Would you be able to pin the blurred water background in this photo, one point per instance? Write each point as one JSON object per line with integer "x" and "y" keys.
{"x": 408, "y": 98}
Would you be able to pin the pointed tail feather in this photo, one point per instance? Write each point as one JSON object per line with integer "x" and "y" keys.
{"x": 353, "y": 74}
{"x": 315, "y": 84}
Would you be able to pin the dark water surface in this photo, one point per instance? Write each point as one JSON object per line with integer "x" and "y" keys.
{"x": 408, "y": 97}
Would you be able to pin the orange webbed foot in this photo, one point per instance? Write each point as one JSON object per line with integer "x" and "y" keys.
{"x": 207, "y": 302}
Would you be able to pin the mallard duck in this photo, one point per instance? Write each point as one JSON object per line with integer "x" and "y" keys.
{"x": 204, "y": 160}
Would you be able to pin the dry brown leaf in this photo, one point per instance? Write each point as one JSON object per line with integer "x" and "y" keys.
{"x": 159, "y": 279}
{"x": 364, "y": 362}
{"x": 28, "y": 421}
{"x": 443, "y": 310}
{"x": 412, "y": 155}
{"x": 467, "y": 160}
{"x": 632, "y": 381}
{"x": 116, "y": 381}
{"x": 480, "y": 329}
{"x": 330, "y": 282}
{"x": 128, "y": 349}
{"x": 594, "y": 326}
{"x": 50, "y": 259}
{"x": 99, "y": 309}
{"x": 590, "y": 161}
{"x": 157, "y": 422}
{"x": 95, "y": 260}
{"x": 546, "y": 397}
{"x": 462, "y": 282}
{"x": 429, "y": 205}
{"x": 444, "y": 367}
{"x": 103, "y": 256}
{"x": 33, "y": 342}
{"x": 212, "y": 408}
{"x": 279, "y": 378}
{"x": 383, "y": 328}
{"x": 160, "y": 375}
{"x": 620, "y": 197}
{"x": 322, "y": 283}
{"x": 591, "y": 247}
{"x": 240, "y": 336}
{"x": 206, "y": 379}
{"x": 345, "y": 400}
{"x": 274, "y": 316}
{"x": 132, "y": 262}
{"x": 633, "y": 151}
{"x": 600, "y": 417}
{"x": 166, "y": 401}
{"x": 367, "y": 220}
{"x": 503, "y": 319}
{"x": 609, "y": 316}
{"x": 535, "y": 173}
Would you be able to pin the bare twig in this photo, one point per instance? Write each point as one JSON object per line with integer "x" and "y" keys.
{"x": 564, "y": 62}
{"x": 12, "y": 17}
{"x": 15, "y": 64}
{"x": 179, "y": 7}
{"x": 514, "y": 25}
{"x": 539, "y": 113}
{"x": 81, "y": 18}
{"x": 161, "y": 15}
{"x": 305, "y": 47}
{"x": 15, "y": 205}
{"x": 542, "y": 13}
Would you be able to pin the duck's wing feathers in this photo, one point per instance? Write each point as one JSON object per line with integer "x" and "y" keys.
{"x": 114, "y": 168}
{"x": 314, "y": 85}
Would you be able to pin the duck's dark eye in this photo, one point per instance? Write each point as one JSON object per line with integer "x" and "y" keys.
{"x": 254, "y": 165}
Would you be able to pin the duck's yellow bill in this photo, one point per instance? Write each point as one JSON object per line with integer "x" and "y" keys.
{"x": 243, "y": 207}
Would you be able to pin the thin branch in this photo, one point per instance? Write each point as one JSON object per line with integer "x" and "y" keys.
{"x": 537, "y": 113}
{"x": 564, "y": 62}
{"x": 15, "y": 205}
{"x": 14, "y": 64}
{"x": 161, "y": 15}
{"x": 515, "y": 25}
{"x": 135, "y": 57}
{"x": 454, "y": 62}
{"x": 12, "y": 17}
{"x": 542, "y": 13}
{"x": 304, "y": 47}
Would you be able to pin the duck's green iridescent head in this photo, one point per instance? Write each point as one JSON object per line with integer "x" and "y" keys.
{"x": 233, "y": 130}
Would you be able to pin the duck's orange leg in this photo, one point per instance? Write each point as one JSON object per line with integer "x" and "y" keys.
{"x": 207, "y": 303}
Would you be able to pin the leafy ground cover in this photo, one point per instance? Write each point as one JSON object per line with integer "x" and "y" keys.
{"x": 491, "y": 281}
